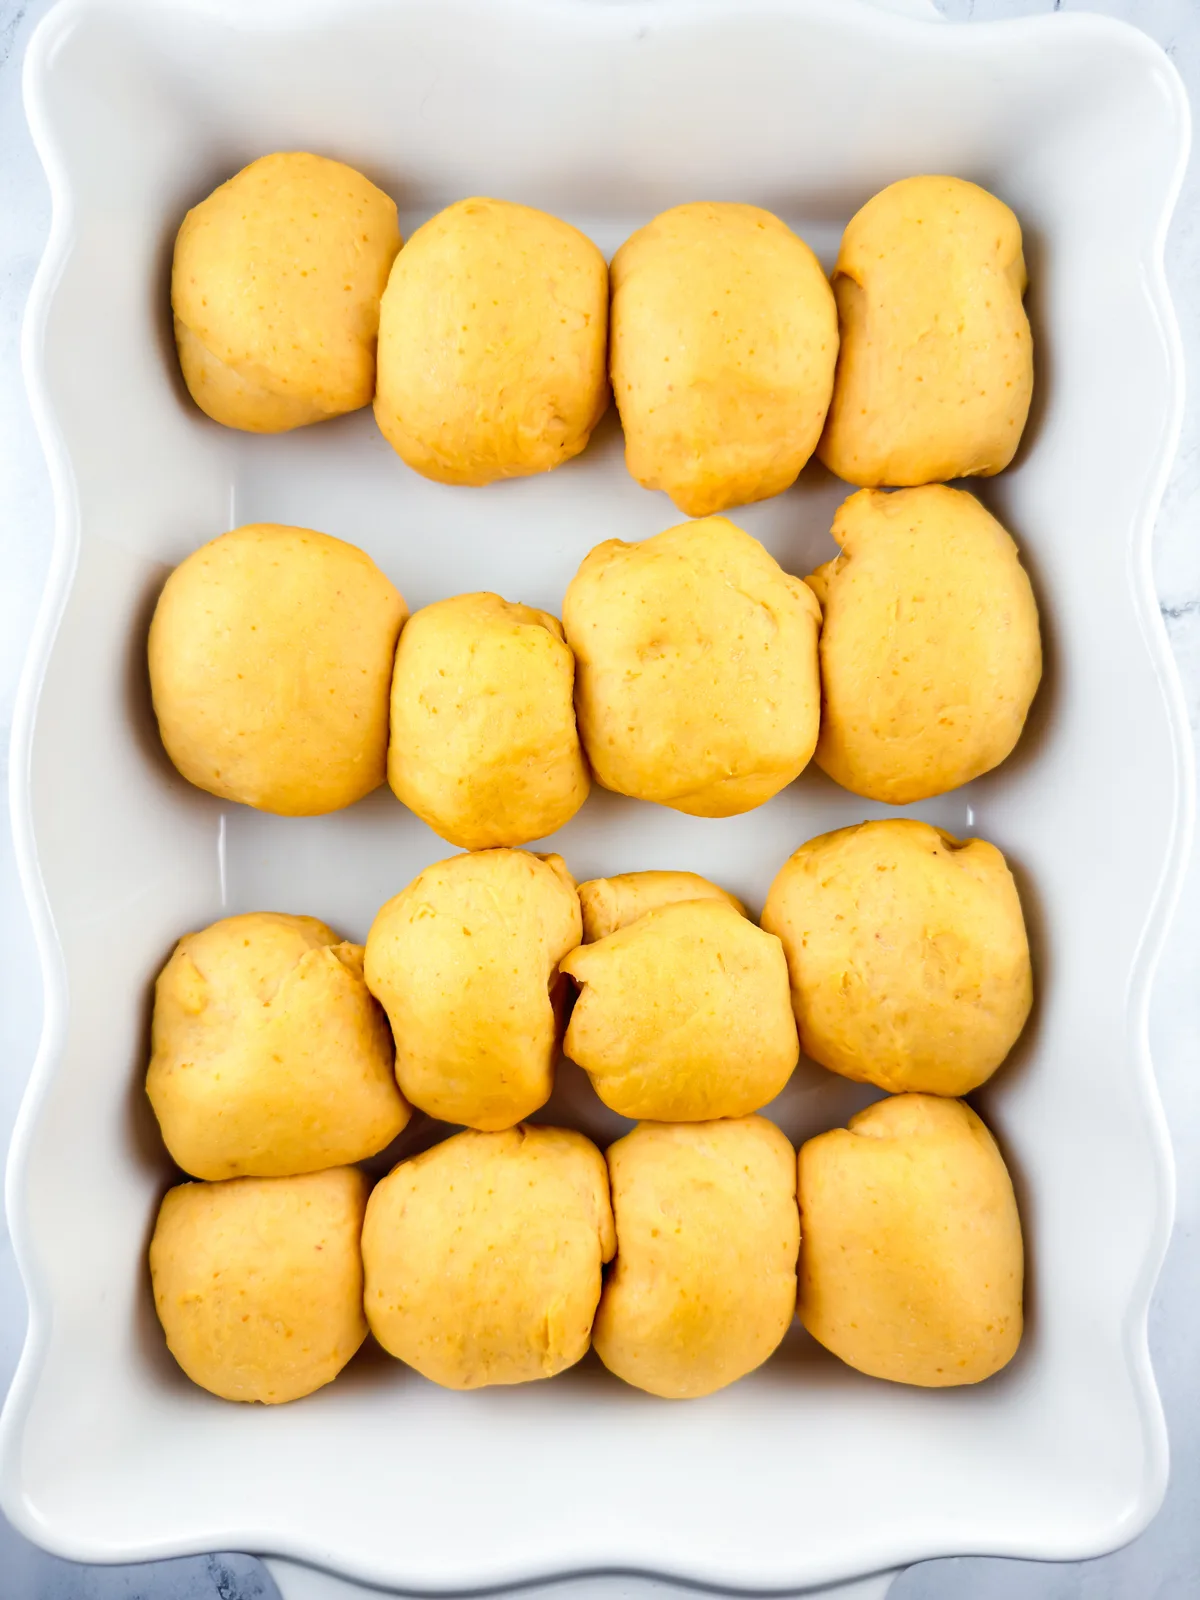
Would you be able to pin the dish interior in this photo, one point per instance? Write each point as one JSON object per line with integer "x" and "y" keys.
{"x": 604, "y": 115}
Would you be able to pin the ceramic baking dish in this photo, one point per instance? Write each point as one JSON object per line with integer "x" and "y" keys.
{"x": 805, "y": 1473}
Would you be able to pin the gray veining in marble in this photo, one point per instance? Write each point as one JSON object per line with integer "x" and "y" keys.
{"x": 1164, "y": 1564}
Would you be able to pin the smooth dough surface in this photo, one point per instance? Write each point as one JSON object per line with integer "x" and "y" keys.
{"x": 908, "y": 956}
{"x": 270, "y": 656}
{"x": 683, "y": 1015}
{"x": 611, "y": 903}
{"x": 258, "y": 1281}
{"x": 268, "y": 1055}
{"x": 724, "y": 339}
{"x": 912, "y": 1264}
{"x": 930, "y": 647}
{"x": 483, "y": 741}
{"x": 465, "y": 962}
{"x": 482, "y": 1256}
{"x": 696, "y": 679}
{"x": 935, "y": 373}
{"x": 492, "y": 340}
{"x": 704, "y": 1286}
{"x": 275, "y": 286}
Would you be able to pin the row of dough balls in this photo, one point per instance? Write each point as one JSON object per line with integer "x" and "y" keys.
{"x": 894, "y": 954}
{"x": 492, "y": 324}
{"x": 480, "y": 1261}
{"x": 689, "y": 669}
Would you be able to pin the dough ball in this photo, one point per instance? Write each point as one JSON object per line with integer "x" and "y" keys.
{"x": 935, "y": 373}
{"x": 491, "y": 344}
{"x": 258, "y": 1281}
{"x": 465, "y": 961}
{"x": 611, "y": 903}
{"x": 704, "y": 1286}
{"x": 270, "y": 660}
{"x": 695, "y": 668}
{"x": 907, "y": 953}
{"x": 911, "y": 1267}
{"x": 276, "y": 285}
{"x": 930, "y": 648}
{"x": 483, "y": 742}
{"x": 724, "y": 340}
{"x": 683, "y": 1015}
{"x": 483, "y": 1256}
{"x": 268, "y": 1055}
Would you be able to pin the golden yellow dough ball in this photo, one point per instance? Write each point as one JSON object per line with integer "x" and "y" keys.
{"x": 911, "y": 1266}
{"x": 696, "y": 680}
{"x": 270, "y": 655}
{"x": 724, "y": 339}
{"x": 483, "y": 740}
{"x": 268, "y": 1055}
{"x": 930, "y": 646}
{"x": 908, "y": 955}
{"x": 492, "y": 339}
{"x": 466, "y": 964}
{"x": 935, "y": 373}
{"x": 275, "y": 286}
{"x": 482, "y": 1256}
{"x": 704, "y": 1285}
{"x": 258, "y": 1281}
{"x": 611, "y": 903}
{"x": 683, "y": 1015}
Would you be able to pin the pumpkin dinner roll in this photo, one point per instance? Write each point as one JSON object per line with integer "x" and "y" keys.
{"x": 704, "y": 1285}
{"x": 908, "y": 955}
{"x": 482, "y": 1256}
{"x": 270, "y": 657}
{"x": 696, "y": 680}
{"x": 724, "y": 339}
{"x": 930, "y": 647}
{"x": 935, "y": 371}
{"x": 492, "y": 339}
{"x": 258, "y": 1282}
{"x": 483, "y": 740}
{"x": 465, "y": 962}
{"x": 912, "y": 1264}
{"x": 275, "y": 286}
{"x": 611, "y": 903}
{"x": 268, "y": 1055}
{"x": 684, "y": 1014}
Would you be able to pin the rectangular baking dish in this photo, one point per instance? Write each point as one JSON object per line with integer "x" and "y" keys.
{"x": 604, "y": 113}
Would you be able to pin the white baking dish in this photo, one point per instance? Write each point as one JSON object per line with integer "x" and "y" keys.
{"x": 605, "y": 113}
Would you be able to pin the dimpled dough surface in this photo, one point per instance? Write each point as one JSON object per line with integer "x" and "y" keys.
{"x": 275, "y": 286}
{"x": 611, "y": 903}
{"x": 268, "y": 1055}
{"x": 704, "y": 1286}
{"x": 270, "y": 664}
{"x": 724, "y": 338}
{"x": 483, "y": 1255}
{"x": 492, "y": 339}
{"x": 258, "y": 1281}
{"x": 465, "y": 962}
{"x": 912, "y": 1263}
{"x": 930, "y": 647}
{"x": 935, "y": 373}
{"x": 483, "y": 742}
{"x": 696, "y": 679}
{"x": 908, "y": 955}
{"x": 683, "y": 1015}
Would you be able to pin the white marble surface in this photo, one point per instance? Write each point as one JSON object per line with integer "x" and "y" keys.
{"x": 1164, "y": 1564}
